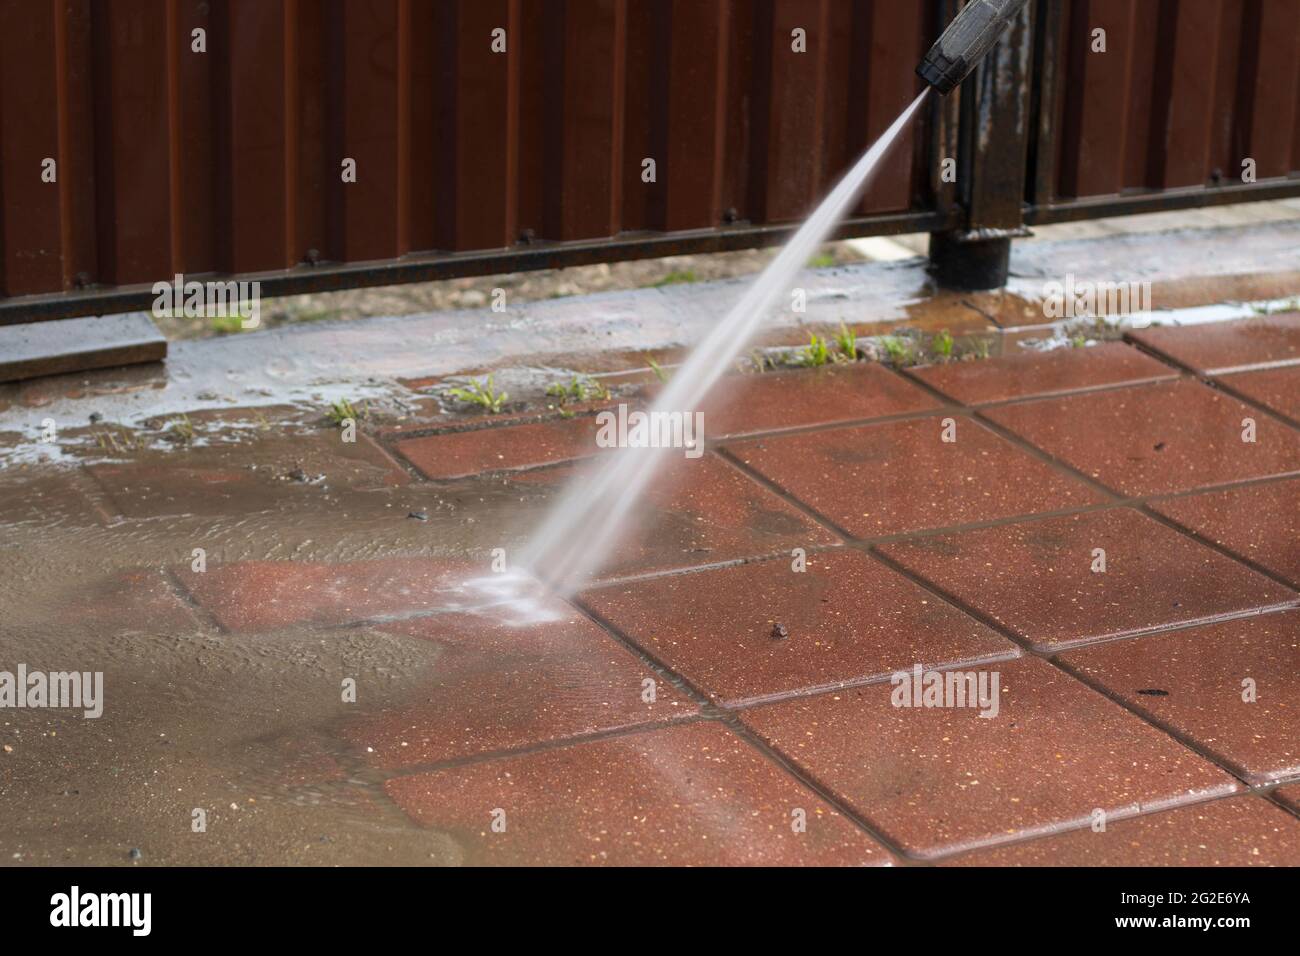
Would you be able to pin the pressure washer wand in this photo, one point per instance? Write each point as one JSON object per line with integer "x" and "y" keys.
{"x": 968, "y": 38}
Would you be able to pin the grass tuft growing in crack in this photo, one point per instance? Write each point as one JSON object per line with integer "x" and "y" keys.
{"x": 847, "y": 343}
{"x": 942, "y": 345}
{"x": 342, "y": 411}
{"x": 816, "y": 353}
{"x": 579, "y": 389}
{"x": 900, "y": 351}
{"x": 481, "y": 394}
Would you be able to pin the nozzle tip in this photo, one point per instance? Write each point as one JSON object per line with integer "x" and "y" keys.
{"x": 940, "y": 72}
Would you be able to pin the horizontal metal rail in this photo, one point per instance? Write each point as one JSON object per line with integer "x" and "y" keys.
{"x": 333, "y": 277}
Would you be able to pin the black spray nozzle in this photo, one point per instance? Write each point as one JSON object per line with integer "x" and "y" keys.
{"x": 968, "y": 38}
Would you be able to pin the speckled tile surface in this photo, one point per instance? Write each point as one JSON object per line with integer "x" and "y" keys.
{"x": 894, "y": 477}
{"x": 1037, "y": 577}
{"x": 691, "y": 795}
{"x": 1238, "y": 831}
{"x": 1278, "y": 389}
{"x": 499, "y": 685}
{"x": 1233, "y": 689}
{"x": 503, "y": 448}
{"x": 1223, "y": 346}
{"x": 1156, "y": 439}
{"x": 1260, "y": 522}
{"x": 942, "y": 779}
{"x": 837, "y": 393}
{"x": 1031, "y": 373}
{"x": 760, "y": 631}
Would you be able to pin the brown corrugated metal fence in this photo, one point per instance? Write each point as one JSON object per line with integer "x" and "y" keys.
{"x": 1185, "y": 91}
{"x": 468, "y": 160}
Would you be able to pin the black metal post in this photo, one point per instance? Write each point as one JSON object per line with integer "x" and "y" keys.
{"x": 992, "y": 143}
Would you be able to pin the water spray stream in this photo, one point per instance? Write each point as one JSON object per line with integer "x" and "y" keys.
{"x": 578, "y": 534}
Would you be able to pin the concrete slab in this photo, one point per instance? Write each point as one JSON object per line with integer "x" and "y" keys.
{"x": 33, "y": 349}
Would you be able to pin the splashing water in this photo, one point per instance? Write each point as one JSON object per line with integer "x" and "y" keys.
{"x": 583, "y": 527}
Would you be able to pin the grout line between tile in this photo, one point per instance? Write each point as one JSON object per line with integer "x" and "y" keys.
{"x": 1197, "y": 800}
{"x": 1214, "y": 378}
{"x": 1215, "y": 546}
{"x": 188, "y": 598}
{"x": 821, "y": 690}
{"x": 1149, "y": 718}
{"x": 910, "y": 374}
{"x": 1218, "y": 383}
{"x": 649, "y": 660}
{"x": 383, "y": 775}
{"x": 828, "y": 796}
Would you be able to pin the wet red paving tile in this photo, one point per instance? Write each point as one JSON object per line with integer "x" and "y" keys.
{"x": 255, "y": 596}
{"x": 846, "y": 618}
{"x": 695, "y": 512}
{"x": 893, "y": 477}
{"x": 498, "y": 685}
{"x": 502, "y": 448}
{"x": 1156, "y": 439}
{"x": 132, "y": 599}
{"x": 50, "y": 501}
{"x": 745, "y": 404}
{"x": 1279, "y": 389}
{"x": 1221, "y": 346}
{"x": 242, "y": 477}
{"x": 1036, "y": 578}
{"x": 689, "y": 795}
{"x": 1239, "y": 831}
{"x": 300, "y": 759}
{"x": 942, "y": 779}
{"x": 1233, "y": 689}
{"x": 1260, "y": 522}
{"x": 1030, "y": 373}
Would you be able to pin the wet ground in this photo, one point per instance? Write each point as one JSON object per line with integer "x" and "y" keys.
{"x": 314, "y": 684}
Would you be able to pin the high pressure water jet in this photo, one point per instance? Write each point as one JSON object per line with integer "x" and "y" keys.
{"x": 583, "y": 527}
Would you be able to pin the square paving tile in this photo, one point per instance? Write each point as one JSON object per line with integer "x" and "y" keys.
{"x": 1259, "y": 522}
{"x": 1239, "y": 831}
{"x": 259, "y": 475}
{"x": 1155, "y": 439}
{"x": 129, "y": 599}
{"x": 689, "y": 795}
{"x": 499, "y": 685}
{"x": 696, "y": 512}
{"x": 502, "y": 447}
{"x": 1277, "y": 388}
{"x": 47, "y": 501}
{"x": 1028, "y": 373}
{"x": 1231, "y": 688}
{"x": 942, "y": 779}
{"x": 1225, "y": 346}
{"x": 893, "y": 477}
{"x": 772, "y": 401}
{"x": 1036, "y": 578}
{"x": 847, "y": 618}
{"x": 257, "y": 596}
